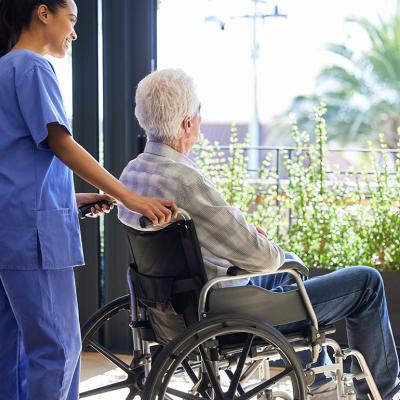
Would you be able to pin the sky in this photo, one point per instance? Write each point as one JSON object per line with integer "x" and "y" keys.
{"x": 291, "y": 50}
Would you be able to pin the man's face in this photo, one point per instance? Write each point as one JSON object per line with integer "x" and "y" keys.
{"x": 195, "y": 129}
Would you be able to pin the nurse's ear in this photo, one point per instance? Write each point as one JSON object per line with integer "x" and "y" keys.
{"x": 43, "y": 13}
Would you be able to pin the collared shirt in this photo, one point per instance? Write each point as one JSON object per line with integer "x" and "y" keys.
{"x": 39, "y": 226}
{"x": 225, "y": 237}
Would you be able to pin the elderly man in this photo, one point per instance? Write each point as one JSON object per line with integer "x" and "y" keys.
{"x": 168, "y": 109}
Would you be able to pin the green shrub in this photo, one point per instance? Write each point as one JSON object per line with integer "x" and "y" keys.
{"x": 331, "y": 219}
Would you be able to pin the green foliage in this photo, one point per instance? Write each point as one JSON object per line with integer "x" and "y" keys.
{"x": 228, "y": 170}
{"x": 361, "y": 88}
{"x": 329, "y": 218}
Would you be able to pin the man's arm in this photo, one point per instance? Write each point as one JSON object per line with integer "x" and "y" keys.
{"x": 223, "y": 230}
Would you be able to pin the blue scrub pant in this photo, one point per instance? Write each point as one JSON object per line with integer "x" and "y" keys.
{"x": 40, "y": 340}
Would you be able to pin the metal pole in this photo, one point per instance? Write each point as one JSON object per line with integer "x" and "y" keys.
{"x": 253, "y": 154}
{"x": 254, "y": 126}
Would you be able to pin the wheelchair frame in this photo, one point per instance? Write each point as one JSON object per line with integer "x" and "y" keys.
{"x": 141, "y": 363}
{"x": 340, "y": 355}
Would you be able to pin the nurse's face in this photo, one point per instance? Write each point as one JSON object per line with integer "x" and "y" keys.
{"x": 59, "y": 29}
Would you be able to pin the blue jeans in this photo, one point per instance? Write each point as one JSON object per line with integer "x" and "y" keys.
{"x": 356, "y": 294}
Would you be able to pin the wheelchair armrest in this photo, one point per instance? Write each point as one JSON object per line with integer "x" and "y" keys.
{"x": 235, "y": 271}
{"x": 297, "y": 265}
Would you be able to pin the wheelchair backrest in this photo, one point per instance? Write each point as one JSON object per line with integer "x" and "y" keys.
{"x": 167, "y": 274}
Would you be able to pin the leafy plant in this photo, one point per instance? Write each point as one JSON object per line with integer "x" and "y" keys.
{"x": 330, "y": 218}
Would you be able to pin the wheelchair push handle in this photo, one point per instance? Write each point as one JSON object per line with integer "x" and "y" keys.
{"x": 86, "y": 209}
{"x": 147, "y": 223}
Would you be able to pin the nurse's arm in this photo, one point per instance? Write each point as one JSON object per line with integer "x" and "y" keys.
{"x": 84, "y": 165}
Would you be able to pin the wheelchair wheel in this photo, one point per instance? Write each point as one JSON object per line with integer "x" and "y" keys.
{"x": 220, "y": 358}
{"x": 124, "y": 376}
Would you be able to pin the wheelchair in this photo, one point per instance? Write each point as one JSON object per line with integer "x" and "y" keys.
{"x": 194, "y": 338}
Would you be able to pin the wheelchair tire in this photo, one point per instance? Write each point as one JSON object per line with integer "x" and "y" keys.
{"x": 186, "y": 367}
{"x": 91, "y": 340}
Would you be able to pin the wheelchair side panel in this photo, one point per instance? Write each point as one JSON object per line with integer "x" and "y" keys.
{"x": 275, "y": 308}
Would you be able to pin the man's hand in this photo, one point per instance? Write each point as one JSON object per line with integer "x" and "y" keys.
{"x": 261, "y": 231}
{"x": 159, "y": 211}
{"x": 96, "y": 211}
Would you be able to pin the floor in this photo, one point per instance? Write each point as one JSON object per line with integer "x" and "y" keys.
{"x": 97, "y": 371}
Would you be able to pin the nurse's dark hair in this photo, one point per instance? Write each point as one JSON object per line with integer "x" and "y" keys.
{"x": 16, "y": 15}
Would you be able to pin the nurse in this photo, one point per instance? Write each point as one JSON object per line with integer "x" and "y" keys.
{"x": 39, "y": 230}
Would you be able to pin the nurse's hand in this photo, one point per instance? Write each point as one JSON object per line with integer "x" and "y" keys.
{"x": 159, "y": 211}
{"x": 96, "y": 211}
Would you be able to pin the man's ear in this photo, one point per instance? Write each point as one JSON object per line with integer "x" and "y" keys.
{"x": 187, "y": 124}
{"x": 43, "y": 13}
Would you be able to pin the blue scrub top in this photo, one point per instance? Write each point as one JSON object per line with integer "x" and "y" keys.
{"x": 39, "y": 226}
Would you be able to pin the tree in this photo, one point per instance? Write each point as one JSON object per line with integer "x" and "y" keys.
{"x": 362, "y": 91}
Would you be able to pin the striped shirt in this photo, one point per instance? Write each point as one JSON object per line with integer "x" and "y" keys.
{"x": 225, "y": 237}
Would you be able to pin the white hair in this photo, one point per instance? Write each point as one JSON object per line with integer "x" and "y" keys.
{"x": 163, "y": 100}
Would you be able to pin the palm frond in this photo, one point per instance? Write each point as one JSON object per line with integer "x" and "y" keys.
{"x": 340, "y": 49}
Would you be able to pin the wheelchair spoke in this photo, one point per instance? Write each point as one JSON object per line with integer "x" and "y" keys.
{"x": 197, "y": 387}
{"x": 239, "y": 389}
{"x": 239, "y": 369}
{"x": 188, "y": 369}
{"x": 110, "y": 356}
{"x": 215, "y": 360}
{"x": 132, "y": 393}
{"x": 182, "y": 395}
{"x": 211, "y": 374}
{"x": 265, "y": 385}
{"x": 250, "y": 370}
{"x": 108, "y": 388}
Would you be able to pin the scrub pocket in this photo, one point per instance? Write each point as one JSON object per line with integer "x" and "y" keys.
{"x": 59, "y": 238}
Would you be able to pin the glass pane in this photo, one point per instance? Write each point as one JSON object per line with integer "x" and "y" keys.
{"x": 63, "y": 68}
{"x": 251, "y": 73}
